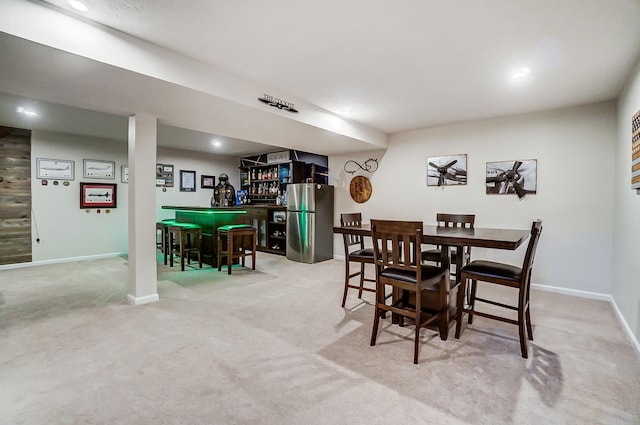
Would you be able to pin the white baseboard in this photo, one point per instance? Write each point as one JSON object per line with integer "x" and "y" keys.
{"x": 626, "y": 326}
{"x": 131, "y": 299}
{"x": 61, "y": 260}
{"x": 572, "y": 292}
{"x": 595, "y": 296}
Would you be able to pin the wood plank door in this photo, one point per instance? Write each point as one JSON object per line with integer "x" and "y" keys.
{"x": 15, "y": 195}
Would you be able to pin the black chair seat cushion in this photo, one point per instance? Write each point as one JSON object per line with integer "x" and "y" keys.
{"x": 409, "y": 276}
{"x": 493, "y": 269}
{"x": 433, "y": 255}
{"x": 365, "y": 254}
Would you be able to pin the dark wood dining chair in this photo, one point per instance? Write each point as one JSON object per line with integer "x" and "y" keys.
{"x": 452, "y": 220}
{"x": 354, "y": 251}
{"x": 505, "y": 275}
{"x": 420, "y": 291}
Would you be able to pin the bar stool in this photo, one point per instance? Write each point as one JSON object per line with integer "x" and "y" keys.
{"x": 163, "y": 244}
{"x": 359, "y": 255}
{"x": 241, "y": 242}
{"x": 185, "y": 238}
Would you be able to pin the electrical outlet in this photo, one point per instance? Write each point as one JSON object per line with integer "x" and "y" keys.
{"x": 489, "y": 253}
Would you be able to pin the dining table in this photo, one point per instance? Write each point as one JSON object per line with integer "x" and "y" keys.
{"x": 447, "y": 237}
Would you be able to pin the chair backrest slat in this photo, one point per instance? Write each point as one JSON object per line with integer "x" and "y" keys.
{"x": 456, "y": 220}
{"x": 351, "y": 220}
{"x": 396, "y": 244}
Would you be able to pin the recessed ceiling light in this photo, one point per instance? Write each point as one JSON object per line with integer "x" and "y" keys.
{"x": 520, "y": 74}
{"x": 28, "y": 112}
{"x": 216, "y": 143}
{"x": 347, "y": 112}
{"x": 78, "y": 5}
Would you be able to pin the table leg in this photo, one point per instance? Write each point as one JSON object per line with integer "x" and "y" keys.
{"x": 445, "y": 261}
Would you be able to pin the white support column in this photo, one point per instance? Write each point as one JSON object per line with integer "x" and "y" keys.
{"x": 143, "y": 280}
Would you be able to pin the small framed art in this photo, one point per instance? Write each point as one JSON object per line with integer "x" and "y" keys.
{"x": 447, "y": 170}
{"x": 635, "y": 151}
{"x": 207, "y": 182}
{"x": 55, "y": 169}
{"x": 98, "y": 195}
{"x": 512, "y": 177}
{"x": 124, "y": 174}
{"x": 164, "y": 175}
{"x": 99, "y": 169}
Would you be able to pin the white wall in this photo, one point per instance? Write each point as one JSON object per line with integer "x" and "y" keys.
{"x": 66, "y": 231}
{"x": 575, "y": 151}
{"x": 626, "y": 266}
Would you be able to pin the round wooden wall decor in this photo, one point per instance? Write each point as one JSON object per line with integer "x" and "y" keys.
{"x": 360, "y": 189}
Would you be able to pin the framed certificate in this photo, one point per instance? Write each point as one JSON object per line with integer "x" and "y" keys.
{"x": 187, "y": 181}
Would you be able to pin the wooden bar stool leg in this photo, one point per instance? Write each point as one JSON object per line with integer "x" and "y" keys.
{"x": 229, "y": 252}
{"x": 219, "y": 253}
{"x": 165, "y": 243}
{"x": 170, "y": 247}
{"x": 182, "y": 243}
{"x": 200, "y": 249}
{"x": 254, "y": 250}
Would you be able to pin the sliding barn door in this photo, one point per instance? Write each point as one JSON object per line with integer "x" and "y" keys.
{"x": 15, "y": 195}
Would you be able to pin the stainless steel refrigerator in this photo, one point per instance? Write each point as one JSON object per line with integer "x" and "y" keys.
{"x": 309, "y": 222}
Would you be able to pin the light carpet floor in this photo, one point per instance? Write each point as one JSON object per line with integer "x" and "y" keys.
{"x": 273, "y": 346}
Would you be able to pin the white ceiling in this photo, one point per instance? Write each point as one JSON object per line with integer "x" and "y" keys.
{"x": 400, "y": 65}
{"x": 85, "y": 122}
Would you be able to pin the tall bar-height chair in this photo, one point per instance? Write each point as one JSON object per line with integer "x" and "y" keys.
{"x": 236, "y": 241}
{"x": 452, "y": 220}
{"x": 185, "y": 238}
{"x": 505, "y": 275}
{"x": 397, "y": 255}
{"x": 163, "y": 244}
{"x": 354, "y": 251}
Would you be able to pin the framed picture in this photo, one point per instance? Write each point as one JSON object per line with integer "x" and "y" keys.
{"x": 98, "y": 169}
{"x": 56, "y": 169}
{"x": 279, "y": 216}
{"x": 124, "y": 174}
{"x": 207, "y": 182}
{"x": 97, "y": 195}
{"x": 635, "y": 151}
{"x": 164, "y": 175}
{"x": 508, "y": 177}
{"x": 447, "y": 170}
{"x": 187, "y": 181}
